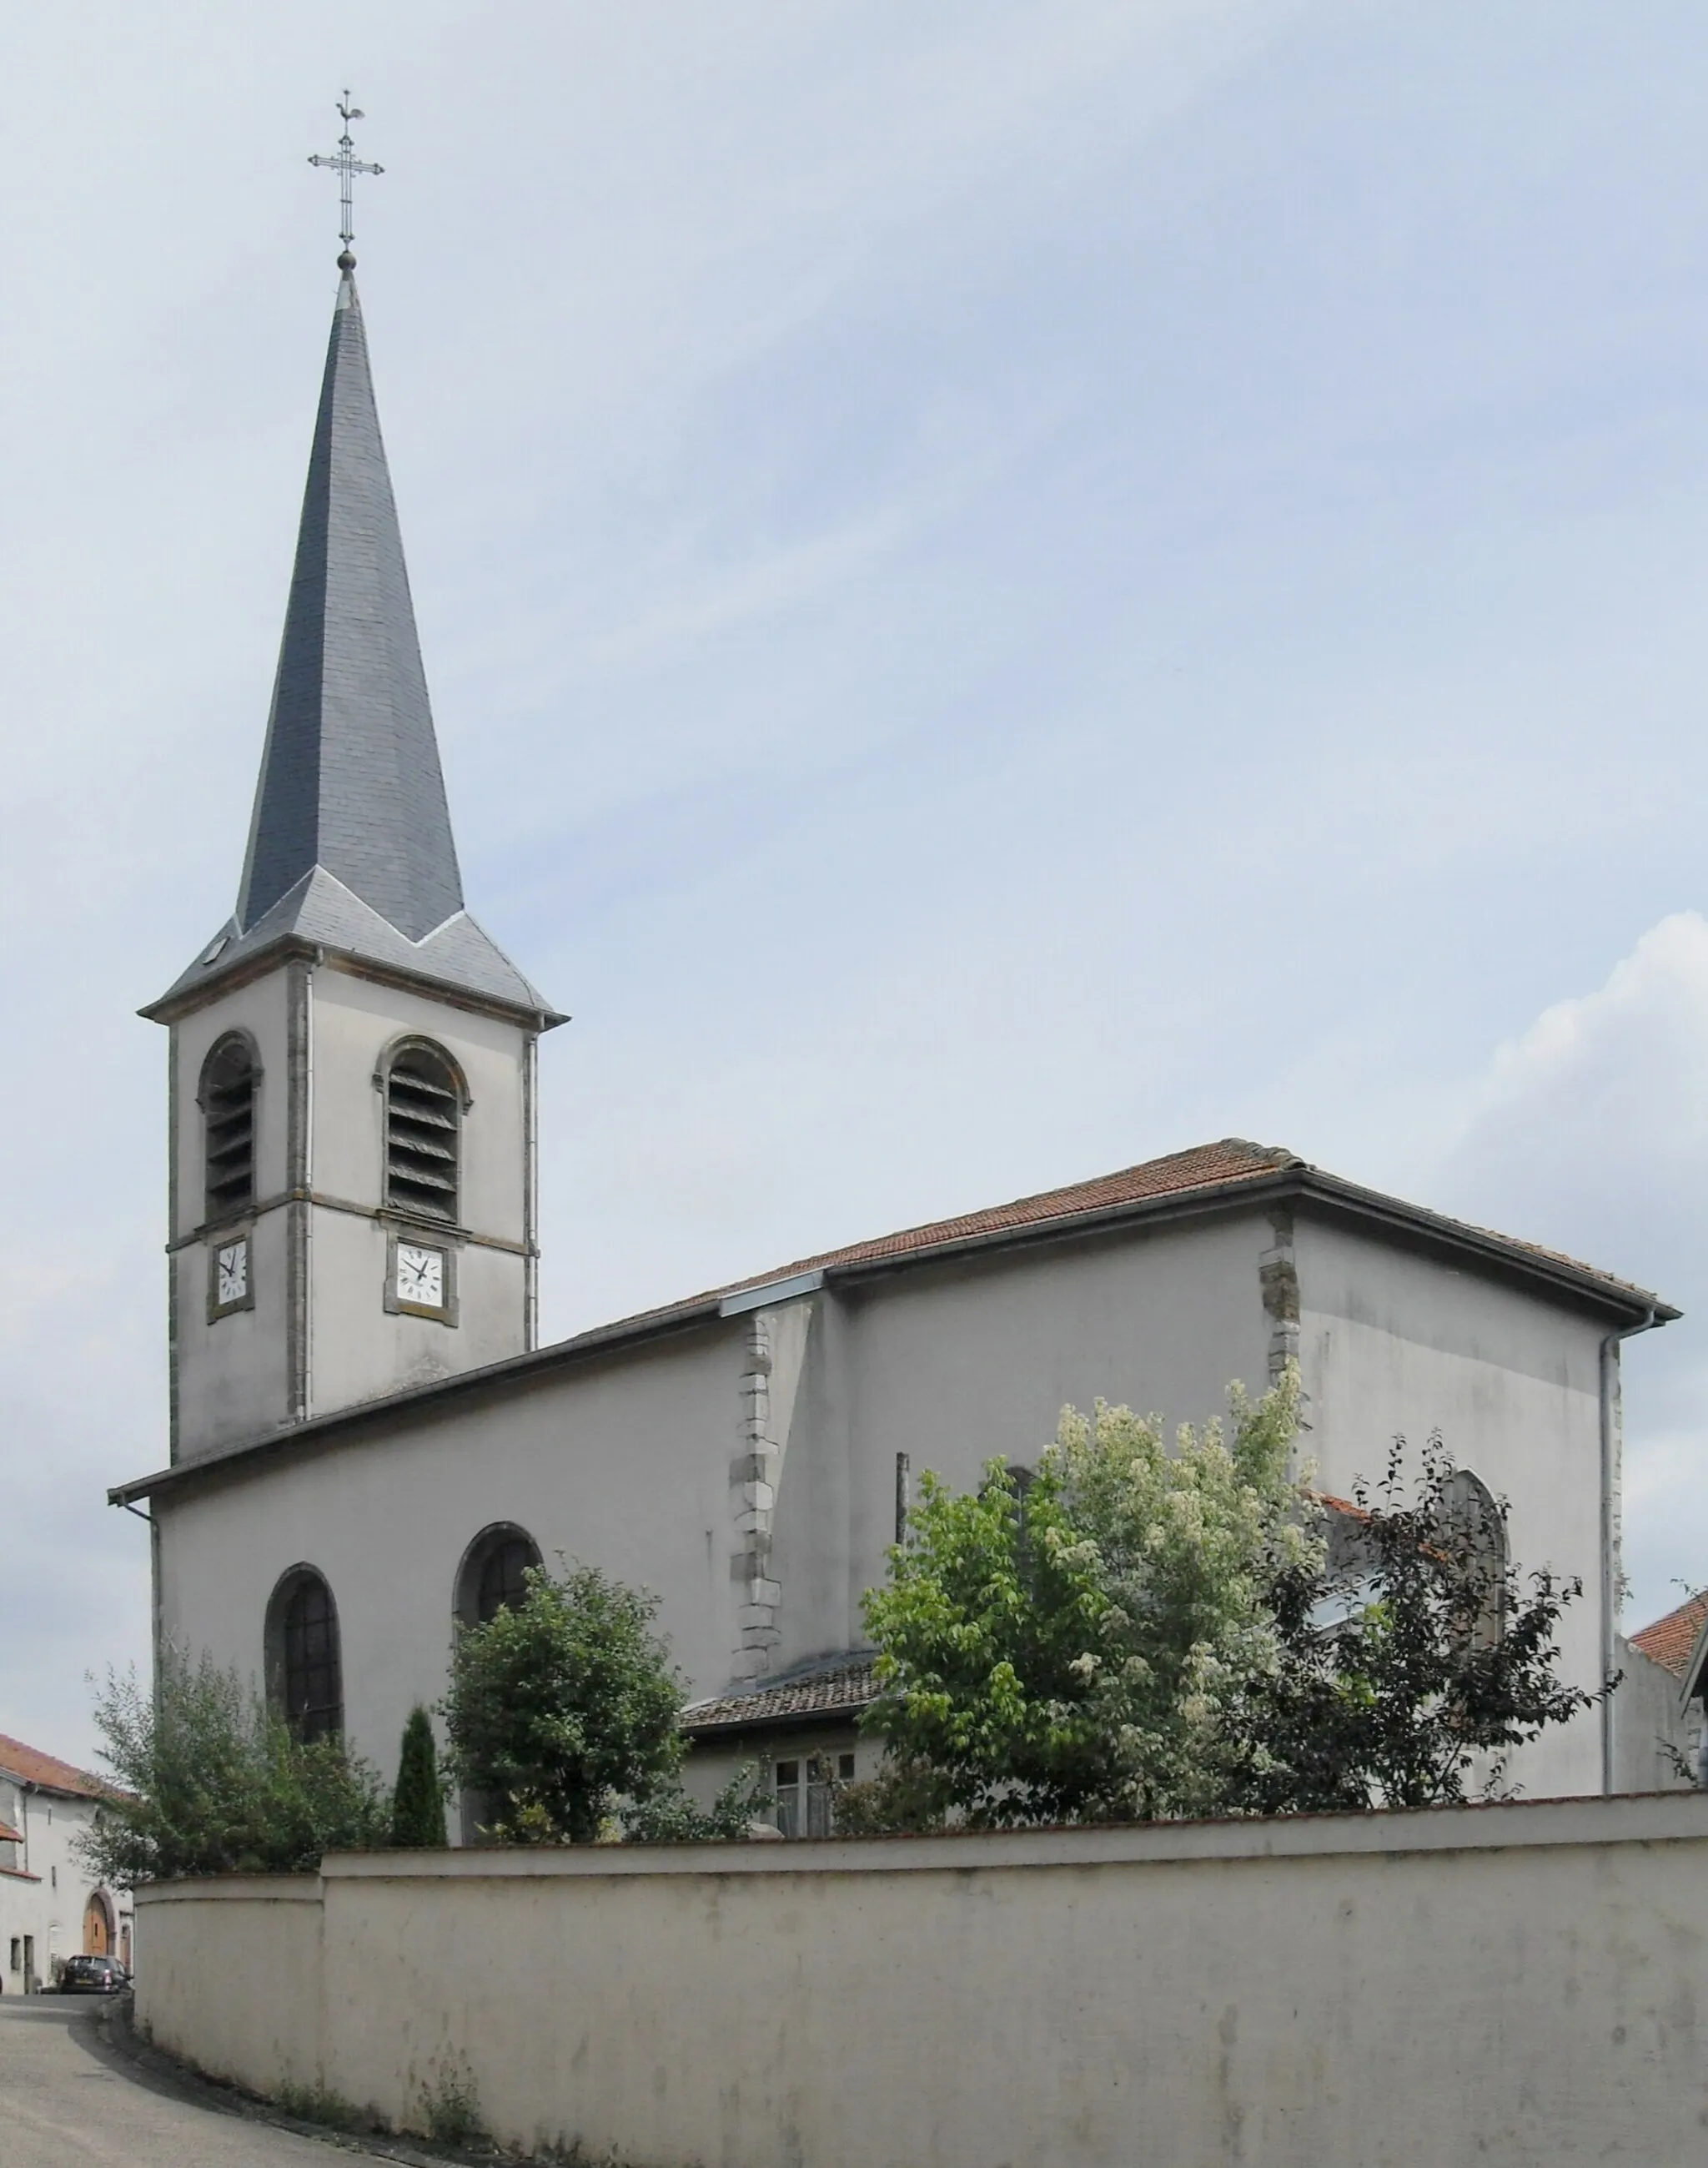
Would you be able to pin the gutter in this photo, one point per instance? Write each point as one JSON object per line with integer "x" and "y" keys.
{"x": 1610, "y": 1439}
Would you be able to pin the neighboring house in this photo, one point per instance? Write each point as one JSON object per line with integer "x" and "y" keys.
{"x": 50, "y": 1907}
{"x": 799, "y": 1729}
{"x": 1659, "y": 1703}
{"x": 367, "y": 1442}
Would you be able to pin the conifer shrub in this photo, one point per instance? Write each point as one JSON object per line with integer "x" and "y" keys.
{"x": 418, "y": 1798}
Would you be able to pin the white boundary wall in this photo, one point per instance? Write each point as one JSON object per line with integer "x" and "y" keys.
{"x": 1515, "y": 1983}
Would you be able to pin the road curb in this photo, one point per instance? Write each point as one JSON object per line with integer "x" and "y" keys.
{"x": 113, "y": 2022}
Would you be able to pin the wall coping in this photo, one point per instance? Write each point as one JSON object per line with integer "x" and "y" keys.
{"x": 1636, "y": 1818}
{"x": 252, "y": 1888}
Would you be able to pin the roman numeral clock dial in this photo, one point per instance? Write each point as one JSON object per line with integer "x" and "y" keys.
{"x": 421, "y": 1276}
{"x": 231, "y": 1279}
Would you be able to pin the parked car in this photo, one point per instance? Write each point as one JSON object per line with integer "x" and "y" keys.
{"x": 97, "y": 1975}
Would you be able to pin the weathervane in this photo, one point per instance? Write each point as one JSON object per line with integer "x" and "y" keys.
{"x": 347, "y": 165}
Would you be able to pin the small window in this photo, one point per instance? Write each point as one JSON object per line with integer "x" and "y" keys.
{"x": 423, "y": 1117}
{"x": 490, "y": 1579}
{"x": 787, "y": 1789}
{"x": 303, "y": 1654}
{"x": 805, "y": 1793}
{"x": 229, "y": 1078}
{"x": 17, "y": 1954}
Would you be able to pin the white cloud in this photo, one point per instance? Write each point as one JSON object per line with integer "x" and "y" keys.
{"x": 1590, "y": 1132}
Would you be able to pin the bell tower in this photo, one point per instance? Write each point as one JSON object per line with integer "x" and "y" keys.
{"x": 352, "y": 1060}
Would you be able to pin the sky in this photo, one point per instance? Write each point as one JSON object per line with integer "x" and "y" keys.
{"x": 1007, "y": 587}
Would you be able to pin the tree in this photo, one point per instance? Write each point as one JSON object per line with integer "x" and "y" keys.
{"x": 418, "y": 1798}
{"x": 669, "y": 1816}
{"x": 1411, "y": 1666}
{"x": 563, "y": 1706}
{"x": 209, "y": 1780}
{"x": 1138, "y": 1632}
{"x": 1070, "y": 1648}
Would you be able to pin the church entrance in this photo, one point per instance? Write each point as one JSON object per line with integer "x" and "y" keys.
{"x": 97, "y": 1927}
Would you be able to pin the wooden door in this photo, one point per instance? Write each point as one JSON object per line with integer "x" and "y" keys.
{"x": 97, "y": 1928}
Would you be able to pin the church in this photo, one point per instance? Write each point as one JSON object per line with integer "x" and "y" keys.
{"x": 367, "y": 1442}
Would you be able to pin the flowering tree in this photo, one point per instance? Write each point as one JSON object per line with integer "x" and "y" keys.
{"x": 1141, "y": 1630}
{"x": 1072, "y": 1647}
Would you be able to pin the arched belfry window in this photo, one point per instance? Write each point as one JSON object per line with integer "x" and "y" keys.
{"x": 304, "y": 1665}
{"x": 229, "y": 1075}
{"x": 491, "y": 1576}
{"x": 424, "y": 1104}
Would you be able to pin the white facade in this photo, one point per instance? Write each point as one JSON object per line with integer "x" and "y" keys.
{"x": 313, "y": 1332}
{"x": 51, "y": 1907}
{"x": 744, "y": 1464}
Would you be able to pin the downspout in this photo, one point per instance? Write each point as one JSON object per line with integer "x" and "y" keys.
{"x": 1610, "y": 1429}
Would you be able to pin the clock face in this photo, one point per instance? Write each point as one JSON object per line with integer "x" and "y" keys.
{"x": 421, "y": 1276}
{"x": 230, "y": 1272}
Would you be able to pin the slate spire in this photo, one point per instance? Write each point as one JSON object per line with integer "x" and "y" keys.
{"x": 350, "y": 778}
{"x": 350, "y": 850}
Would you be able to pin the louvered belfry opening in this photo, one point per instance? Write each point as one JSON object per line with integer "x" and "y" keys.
{"x": 424, "y": 1112}
{"x": 228, "y": 1111}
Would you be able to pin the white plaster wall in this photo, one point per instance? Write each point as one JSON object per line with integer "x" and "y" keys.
{"x": 1518, "y": 1985}
{"x": 625, "y": 1464}
{"x": 1646, "y": 1720}
{"x": 262, "y": 1009}
{"x": 360, "y": 1351}
{"x": 1391, "y": 1341}
{"x": 627, "y": 1461}
{"x": 233, "y": 1374}
{"x": 235, "y": 1966}
{"x": 355, "y": 1020}
{"x": 956, "y": 1364}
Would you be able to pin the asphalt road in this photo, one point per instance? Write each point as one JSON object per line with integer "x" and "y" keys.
{"x": 66, "y": 2102}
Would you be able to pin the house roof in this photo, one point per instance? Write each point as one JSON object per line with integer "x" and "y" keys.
{"x": 10, "y": 1836}
{"x": 350, "y": 845}
{"x": 1208, "y": 1178}
{"x": 1670, "y": 1641}
{"x": 29, "y": 1765}
{"x": 826, "y": 1687}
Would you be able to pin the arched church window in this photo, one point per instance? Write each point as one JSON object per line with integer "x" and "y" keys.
{"x": 490, "y": 1578}
{"x": 1475, "y": 1535}
{"x": 229, "y": 1075}
{"x": 424, "y": 1103}
{"x": 304, "y": 1664}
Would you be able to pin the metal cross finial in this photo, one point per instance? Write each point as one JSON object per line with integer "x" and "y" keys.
{"x": 347, "y": 165}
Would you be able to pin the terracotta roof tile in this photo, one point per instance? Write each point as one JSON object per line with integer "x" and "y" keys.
{"x": 1205, "y": 1166}
{"x": 842, "y": 1687}
{"x": 30, "y": 1766}
{"x": 10, "y": 1836}
{"x": 1669, "y": 1641}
